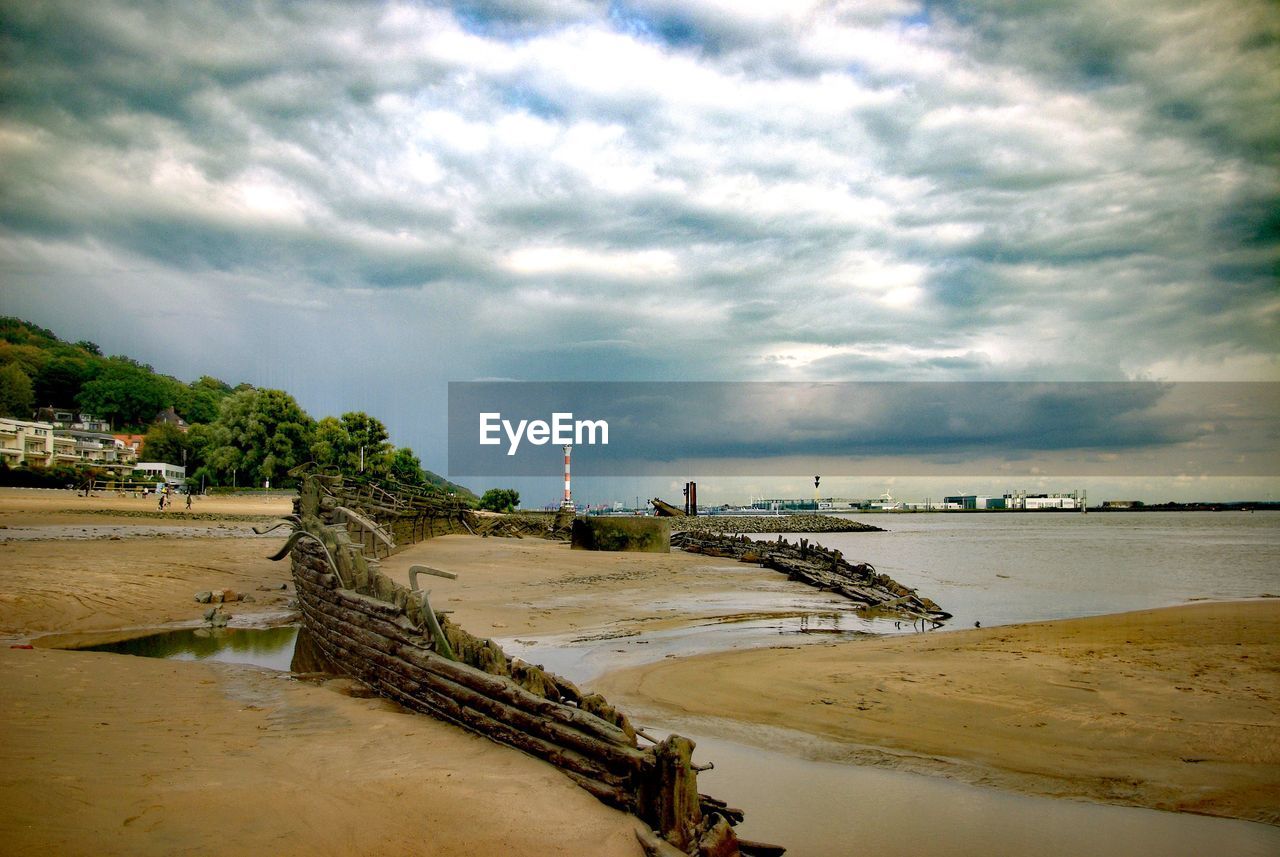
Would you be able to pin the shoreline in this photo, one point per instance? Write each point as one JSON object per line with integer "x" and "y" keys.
{"x": 1155, "y": 708}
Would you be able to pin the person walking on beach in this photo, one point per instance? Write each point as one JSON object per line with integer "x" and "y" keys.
{"x": 188, "y": 499}
{"x": 161, "y": 493}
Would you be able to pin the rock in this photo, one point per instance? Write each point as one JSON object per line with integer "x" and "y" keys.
{"x": 210, "y": 613}
{"x": 215, "y": 597}
{"x": 220, "y": 620}
{"x": 203, "y": 597}
{"x": 247, "y": 598}
{"x": 230, "y": 595}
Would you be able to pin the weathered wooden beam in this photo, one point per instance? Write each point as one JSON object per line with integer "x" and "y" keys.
{"x": 426, "y": 670}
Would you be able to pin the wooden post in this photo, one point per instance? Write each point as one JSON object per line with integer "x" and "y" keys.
{"x": 669, "y": 802}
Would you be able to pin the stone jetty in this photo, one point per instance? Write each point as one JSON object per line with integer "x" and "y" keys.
{"x": 799, "y": 523}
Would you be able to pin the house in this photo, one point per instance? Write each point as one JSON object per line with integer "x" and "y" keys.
{"x": 132, "y": 442}
{"x": 170, "y": 417}
{"x": 31, "y": 443}
{"x": 98, "y": 449}
{"x": 65, "y": 418}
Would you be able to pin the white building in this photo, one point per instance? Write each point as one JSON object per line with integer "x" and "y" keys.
{"x": 34, "y": 444}
{"x": 1023, "y": 500}
{"x": 170, "y": 474}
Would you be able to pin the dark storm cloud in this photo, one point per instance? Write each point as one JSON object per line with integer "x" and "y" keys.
{"x": 653, "y": 428}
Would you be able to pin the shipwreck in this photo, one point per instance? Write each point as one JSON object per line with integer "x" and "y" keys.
{"x": 361, "y": 623}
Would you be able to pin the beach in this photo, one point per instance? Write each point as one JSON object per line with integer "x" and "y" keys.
{"x": 1172, "y": 709}
{"x": 110, "y": 754}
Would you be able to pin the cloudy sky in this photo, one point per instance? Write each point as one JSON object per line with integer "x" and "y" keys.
{"x": 360, "y": 202}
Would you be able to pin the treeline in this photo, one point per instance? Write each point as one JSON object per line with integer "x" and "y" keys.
{"x": 241, "y": 436}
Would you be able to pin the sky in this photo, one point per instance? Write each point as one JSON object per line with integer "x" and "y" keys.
{"x": 362, "y": 202}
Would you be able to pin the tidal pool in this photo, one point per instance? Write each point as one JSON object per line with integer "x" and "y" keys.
{"x": 263, "y": 647}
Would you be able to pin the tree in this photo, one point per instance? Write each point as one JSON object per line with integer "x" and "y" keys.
{"x": 406, "y": 468}
{"x": 16, "y": 396}
{"x": 198, "y": 402}
{"x": 61, "y": 379}
{"x": 500, "y": 500}
{"x": 355, "y": 444}
{"x": 259, "y": 435}
{"x": 127, "y": 393}
{"x": 369, "y": 451}
{"x": 329, "y": 443}
{"x": 167, "y": 443}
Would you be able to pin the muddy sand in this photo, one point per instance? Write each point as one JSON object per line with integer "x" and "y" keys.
{"x": 111, "y": 754}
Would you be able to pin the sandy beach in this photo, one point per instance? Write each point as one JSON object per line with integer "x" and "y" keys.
{"x": 1174, "y": 709}
{"x": 108, "y": 754}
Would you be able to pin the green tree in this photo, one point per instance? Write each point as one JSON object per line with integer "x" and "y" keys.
{"x": 355, "y": 444}
{"x": 500, "y": 499}
{"x": 330, "y": 443}
{"x": 167, "y": 443}
{"x": 127, "y": 393}
{"x": 60, "y": 380}
{"x": 259, "y": 435}
{"x": 16, "y": 396}
{"x": 198, "y": 402}
{"x": 405, "y": 467}
{"x": 369, "y": 451}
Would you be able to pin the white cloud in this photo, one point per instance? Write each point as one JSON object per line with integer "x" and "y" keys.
{"x": 710, "y": 189}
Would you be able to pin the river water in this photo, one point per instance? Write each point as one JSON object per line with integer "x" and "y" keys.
{"x": 1000, "y": 568}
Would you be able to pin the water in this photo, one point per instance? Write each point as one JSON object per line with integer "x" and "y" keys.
{"x": 829, "y": 809}
{"x": 1025, "y": 567}
{"x": 992, "y": 567}
{"x": 271, "y": 648}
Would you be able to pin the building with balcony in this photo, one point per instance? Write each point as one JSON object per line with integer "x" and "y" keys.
{"x": 99, "y": 449}
{"x": 65, "y": 418}
{"x": 28, "y": 442}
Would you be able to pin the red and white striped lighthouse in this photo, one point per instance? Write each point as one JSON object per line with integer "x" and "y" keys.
{"x": 568, "y": 497}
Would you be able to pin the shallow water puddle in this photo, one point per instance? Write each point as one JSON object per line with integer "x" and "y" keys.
{"x": 584, "y": 656}
{"x": 831, "y": 809}
{"x": 263, "y": 647}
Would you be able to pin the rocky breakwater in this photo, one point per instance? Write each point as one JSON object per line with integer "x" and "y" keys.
{"x": 769, "y": 524}
{"x": 817, "y": 566}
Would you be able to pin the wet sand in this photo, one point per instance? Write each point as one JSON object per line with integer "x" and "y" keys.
{"x": 111, "y": 754}
{"x": 1175, "y": 709}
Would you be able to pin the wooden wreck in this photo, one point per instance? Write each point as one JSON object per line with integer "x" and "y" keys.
{"x": 388, "y": 637}
{"x": 817, "y": 566}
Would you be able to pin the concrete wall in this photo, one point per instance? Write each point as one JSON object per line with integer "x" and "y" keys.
{"x": 652, "y": 535}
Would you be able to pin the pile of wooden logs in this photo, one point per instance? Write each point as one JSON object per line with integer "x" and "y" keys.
{"x": 817, "y": 566}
